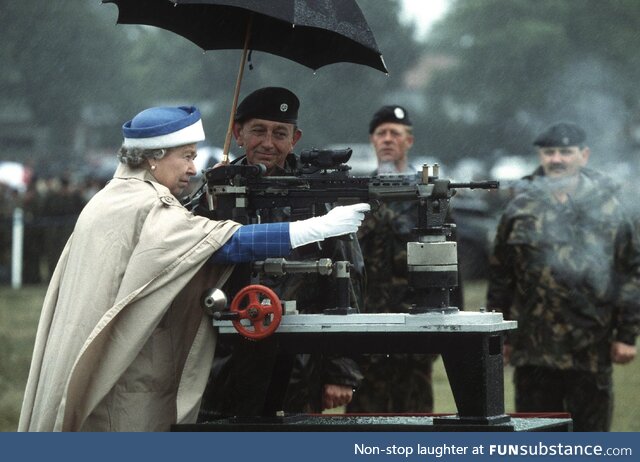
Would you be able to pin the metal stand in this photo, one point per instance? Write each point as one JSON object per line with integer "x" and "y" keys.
{"x": 470, "y": 344}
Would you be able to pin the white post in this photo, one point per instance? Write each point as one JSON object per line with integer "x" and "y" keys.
{"x": 16, "y": 248}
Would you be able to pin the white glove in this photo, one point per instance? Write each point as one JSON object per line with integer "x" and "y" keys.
{"x": 340, "y": 220}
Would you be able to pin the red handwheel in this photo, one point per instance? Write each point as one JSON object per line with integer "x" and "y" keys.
{"x": 263, "y": 319}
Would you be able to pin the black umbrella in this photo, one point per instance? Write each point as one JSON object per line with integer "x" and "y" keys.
{"x": 313, "y": 33}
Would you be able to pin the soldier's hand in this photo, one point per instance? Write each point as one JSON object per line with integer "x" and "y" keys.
{"x": 622, "y": 353}
{"x": 336, "y": 396}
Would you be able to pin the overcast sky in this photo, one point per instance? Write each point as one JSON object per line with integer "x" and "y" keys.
{"x": 423, "y": 12}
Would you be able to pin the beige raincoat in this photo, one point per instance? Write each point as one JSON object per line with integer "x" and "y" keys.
{"x": 122, "y": 343}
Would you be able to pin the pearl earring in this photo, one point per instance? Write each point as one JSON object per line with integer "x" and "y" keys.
{"x": 153, "y": 167}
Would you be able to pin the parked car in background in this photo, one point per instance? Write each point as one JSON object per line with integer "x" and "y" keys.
{"x": 476, "y": 224}
{"x": 508, "y": 170}
{"x": 469, "y": 169}
{"x": 478, "y": 212}
{"x": 15, "y": 175}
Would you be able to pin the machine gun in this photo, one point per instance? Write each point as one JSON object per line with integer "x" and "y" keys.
{"x": 240, "y": 192}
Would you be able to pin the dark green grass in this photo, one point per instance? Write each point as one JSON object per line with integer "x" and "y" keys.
{"x": 20, "y": 310}
{"x": 626, "y": 379}
{"x": 19, "y": 314}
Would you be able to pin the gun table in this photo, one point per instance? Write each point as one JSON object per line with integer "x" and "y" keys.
{"x": 470, "y": 344}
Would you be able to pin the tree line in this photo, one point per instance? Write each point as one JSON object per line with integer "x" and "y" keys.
{"x": 508, "y": 68}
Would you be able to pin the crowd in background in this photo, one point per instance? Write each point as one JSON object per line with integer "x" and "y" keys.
{"x": 52, "y": 203}
{"x": 50, "y": 206}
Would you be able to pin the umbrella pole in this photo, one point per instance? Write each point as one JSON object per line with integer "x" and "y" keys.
{"x": 236, "y": 93}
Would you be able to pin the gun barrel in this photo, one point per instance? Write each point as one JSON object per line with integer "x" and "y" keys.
{"x": 491, "y": 184}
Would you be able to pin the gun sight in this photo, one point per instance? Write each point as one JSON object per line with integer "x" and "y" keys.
{"x": 325, "y": 158}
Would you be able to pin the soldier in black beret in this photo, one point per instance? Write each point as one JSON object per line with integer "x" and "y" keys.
{"x": 266, "y": 129}
{"x": 270, "y": 103}
{"x": 563, "y": 266}
{"x": 563, "y": 153}
{"x": 561, "y": 134}
{"x": 395, "y": 114}
{"x": 390, "y": 133}
{"x": 396, "y": 383}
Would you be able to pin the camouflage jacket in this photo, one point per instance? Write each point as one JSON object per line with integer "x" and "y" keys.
{"x": 383, "y": 237}
{"x": 568, "y": 273}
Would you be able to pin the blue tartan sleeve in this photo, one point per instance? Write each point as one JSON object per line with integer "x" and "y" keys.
{"x": 255, "y": 242}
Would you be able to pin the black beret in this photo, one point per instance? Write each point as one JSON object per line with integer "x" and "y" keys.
{"x": 269, "y": 103}
{"x": 395, "y": 114}
{"x": 561, "y": 134}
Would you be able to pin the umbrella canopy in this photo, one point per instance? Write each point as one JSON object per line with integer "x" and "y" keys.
{"x": 310, "y": 32}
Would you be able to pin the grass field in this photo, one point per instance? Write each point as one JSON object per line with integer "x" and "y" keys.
{"x": 20, "y": 309}
{"x": 19, "y": 313}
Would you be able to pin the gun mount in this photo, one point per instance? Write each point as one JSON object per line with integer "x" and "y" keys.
{"x": 240, "y": 192}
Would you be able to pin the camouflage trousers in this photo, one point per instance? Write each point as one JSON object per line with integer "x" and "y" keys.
{"x": 397, "y": 383}
{"x": 587, "y": 396}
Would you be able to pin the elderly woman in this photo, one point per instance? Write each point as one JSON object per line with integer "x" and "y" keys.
{"x": 122, "y": 343}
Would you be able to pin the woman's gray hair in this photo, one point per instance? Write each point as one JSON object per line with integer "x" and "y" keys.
{"x": 134, "y": 157}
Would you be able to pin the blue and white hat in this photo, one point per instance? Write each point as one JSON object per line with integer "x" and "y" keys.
{"x": 163, "y": 127}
